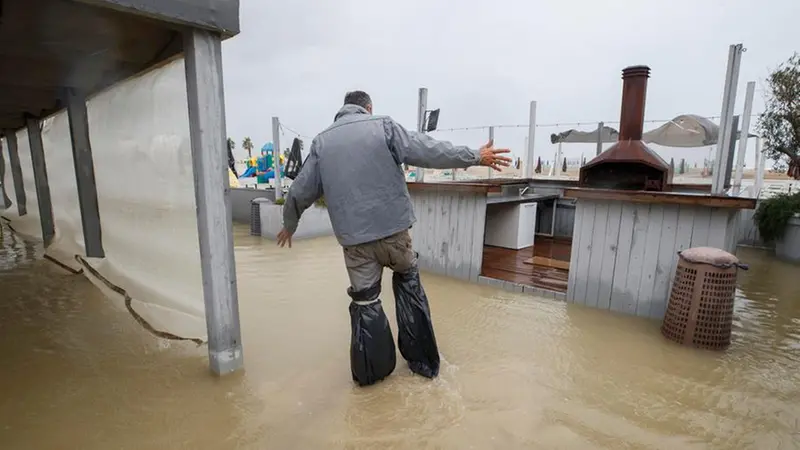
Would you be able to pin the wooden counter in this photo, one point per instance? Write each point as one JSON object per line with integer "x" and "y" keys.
{"x": 477, "y": 188}
{"x": 663, "y": 198}
{"x": 625, "y": 243}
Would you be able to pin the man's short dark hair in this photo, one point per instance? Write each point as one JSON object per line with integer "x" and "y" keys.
{"x": 358, "y": 98}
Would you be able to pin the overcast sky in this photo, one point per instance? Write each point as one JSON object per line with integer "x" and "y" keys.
{"x": 484, "y": 61}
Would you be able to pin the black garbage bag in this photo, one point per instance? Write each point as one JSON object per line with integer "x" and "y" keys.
{"x": 415, "y": 336}
{"x": 372, "y": 354}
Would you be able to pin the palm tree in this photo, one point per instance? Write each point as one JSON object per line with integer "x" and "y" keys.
{"x": 247, "y": 144}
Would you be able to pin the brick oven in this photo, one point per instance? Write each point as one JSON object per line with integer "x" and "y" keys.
{"x": 629, "y": 164}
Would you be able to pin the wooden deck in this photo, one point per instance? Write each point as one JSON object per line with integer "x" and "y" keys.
{"x": 509, "y": 265}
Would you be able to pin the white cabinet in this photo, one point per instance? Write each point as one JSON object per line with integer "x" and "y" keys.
{"x": 510, "y": 225}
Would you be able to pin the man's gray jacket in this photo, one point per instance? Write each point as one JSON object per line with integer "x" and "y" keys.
{"x": 356, "y": 163}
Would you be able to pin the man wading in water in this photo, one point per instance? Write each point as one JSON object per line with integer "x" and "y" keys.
{"x": 356, "y": 163}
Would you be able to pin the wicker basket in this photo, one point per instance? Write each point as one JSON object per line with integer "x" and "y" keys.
{"x": 700, "y": 310}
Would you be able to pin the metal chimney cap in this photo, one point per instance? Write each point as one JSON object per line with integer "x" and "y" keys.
{"x": 636, "y": 71}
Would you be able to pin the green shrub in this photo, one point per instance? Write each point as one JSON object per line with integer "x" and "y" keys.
{"x": 773, "y": 214}
{"x": 280, "y": 201}
{"x": 321, "y": 203}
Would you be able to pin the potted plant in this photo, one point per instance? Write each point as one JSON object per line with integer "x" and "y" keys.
{"x": 315, "y": 221}
{"x": 778, "y": 221}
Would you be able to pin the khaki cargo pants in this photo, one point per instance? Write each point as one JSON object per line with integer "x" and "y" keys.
{"x": 365, "y": 262}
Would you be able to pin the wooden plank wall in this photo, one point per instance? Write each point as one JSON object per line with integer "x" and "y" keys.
{"x": 624, "y": 254}
{"x": 449, "y": 232}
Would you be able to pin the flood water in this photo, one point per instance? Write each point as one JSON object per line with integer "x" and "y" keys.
{"x": 518, "y": 371}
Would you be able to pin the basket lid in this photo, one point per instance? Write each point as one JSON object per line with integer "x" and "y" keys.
{"x": 709, "y": 255}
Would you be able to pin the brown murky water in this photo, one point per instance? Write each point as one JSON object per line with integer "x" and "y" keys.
{"x": 518, "y": 372}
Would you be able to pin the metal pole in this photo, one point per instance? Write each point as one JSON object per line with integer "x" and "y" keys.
{"x": 726, "y": 118}
{"x": 726, "y": 180}
{"x": 82, "y": 159}
{"x": 276, "y": 156}
{"x": 530, "y": 163}
{"x": 599, "y": 139}
{"x": 743, "y": 136}
{"x": 491, "y": 139}
{"x": 206, "y": 102}
{"x": 422, "y": 107}
{"x": 760, "y": 166}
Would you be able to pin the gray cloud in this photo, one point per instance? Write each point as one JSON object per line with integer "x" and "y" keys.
{"x": 484, "y": 61}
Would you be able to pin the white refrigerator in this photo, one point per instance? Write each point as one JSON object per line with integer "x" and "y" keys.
{"x": 510, "y": 225}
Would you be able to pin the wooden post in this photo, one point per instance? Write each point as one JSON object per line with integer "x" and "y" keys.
{"x": 276, "y": 156}
{"x": 205, "y": 92}
{"x": 40, "y": 180}
{"x": 530, "y": 161}
{"x": 84, "y": 174}
{"x": 16, "y": 172}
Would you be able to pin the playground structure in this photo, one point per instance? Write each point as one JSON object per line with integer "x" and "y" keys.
{"x": 262, "y": 167}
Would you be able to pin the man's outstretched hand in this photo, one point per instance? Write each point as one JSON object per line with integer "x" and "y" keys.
{"x": 490, "y": 156}
{"x": 285, "y": 237}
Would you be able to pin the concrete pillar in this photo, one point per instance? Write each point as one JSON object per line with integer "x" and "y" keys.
{"x": 726, "y": 117}
{"x": 422, "y": 108}
{"x": 276, "y": 156}
{"x": 40, "y": 180}
{"x": 743, "y": 137}
{"x": 491, "y": 139}
{"x": 203, "y": 53}
{"x": 84, "y": 174}
{"x": 530, "y": 160}
{"x": 16, "y": 172}
{"x": 599, "y": 148}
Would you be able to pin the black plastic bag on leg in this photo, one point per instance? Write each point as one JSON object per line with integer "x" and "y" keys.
{"x": 415, "y": 336}
{"x": 372, "y": 353}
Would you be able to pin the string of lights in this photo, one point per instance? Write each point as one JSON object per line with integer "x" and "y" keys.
{"x": 559, "y": 124}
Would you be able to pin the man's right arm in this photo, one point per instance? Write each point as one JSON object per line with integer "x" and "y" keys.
{"x": 421, "y": 150}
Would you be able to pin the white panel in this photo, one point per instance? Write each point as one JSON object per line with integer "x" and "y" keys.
{"x": 641, "y": 218}
{"x": 621, "y": 297}
{"x": 596, "y": 253}
{"x": 610, "y": 255}
{"x": 666, "y": 258}
{"x": 650, "y": 261}
{"x": 584, "y": 252}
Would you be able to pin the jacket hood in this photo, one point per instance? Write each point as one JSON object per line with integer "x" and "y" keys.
{"x": 347, "y": 110}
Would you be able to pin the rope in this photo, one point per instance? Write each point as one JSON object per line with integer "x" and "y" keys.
{"x": 128, "y": 300}
{"x": 62, "y": 265}
{"x": 129, "y": 305}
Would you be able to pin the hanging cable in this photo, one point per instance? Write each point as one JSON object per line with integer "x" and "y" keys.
{"x": 296, "y": 133}
{"x": 561, "y": 124}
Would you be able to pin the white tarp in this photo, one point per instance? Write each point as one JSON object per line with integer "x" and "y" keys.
{"x": 684, "y": 131}
{"x": 140, "y": 143}
{"x": 585, "y": 137}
